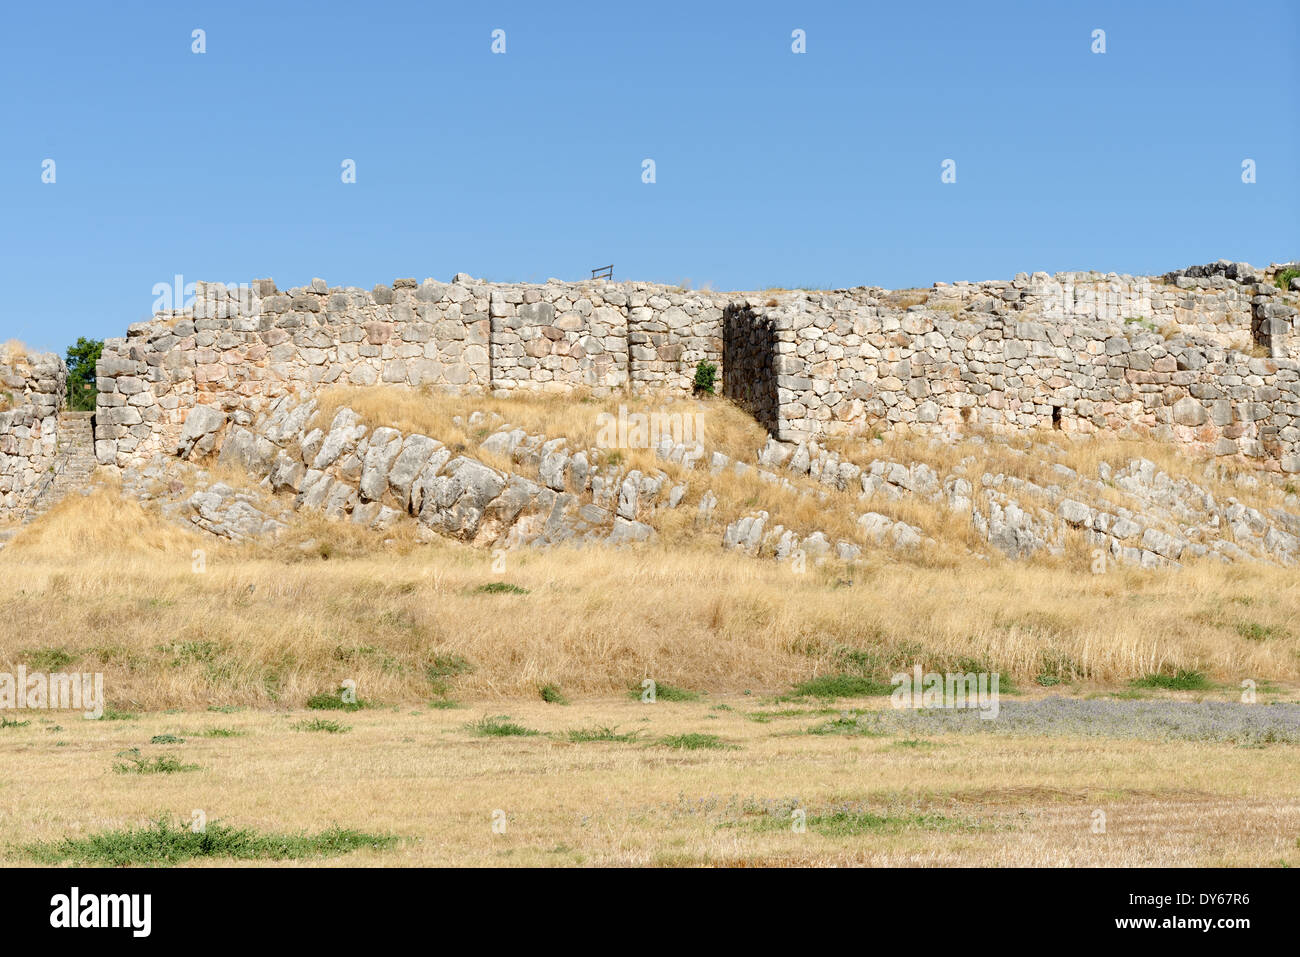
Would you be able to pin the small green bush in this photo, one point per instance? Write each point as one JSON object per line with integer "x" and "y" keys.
{"x": 706, "y": 378}
{"x": 333, "y": 701}
{"x": 552, "y": 694}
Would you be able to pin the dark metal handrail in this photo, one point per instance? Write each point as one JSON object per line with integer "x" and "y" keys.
{"x": 603, "y": 272}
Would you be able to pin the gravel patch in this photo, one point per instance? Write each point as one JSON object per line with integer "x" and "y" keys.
{"x": 1113, "y": 718}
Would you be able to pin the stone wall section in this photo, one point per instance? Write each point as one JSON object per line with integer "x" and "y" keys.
{"x": 852, "y": 361}
{"x": 1208, "y": 357}
{"x": 238, "y": 350}
{"x": 32, "y": 393}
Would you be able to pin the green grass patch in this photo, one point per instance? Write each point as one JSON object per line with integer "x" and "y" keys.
{"x": 552, "y": 694}
{"x": 165, "y": 843}
{"x": 162, "y": 764}
{"x": 853, "y": 723}
{"x": 166, "y": 739}
{"x": 695, "y": 742}
{"x": 1254, "y": 631}
{"x": 1283, "y": 279}
{"x": 499, "y": 726}
{"x": 47, "y": 659}
{"x": 858, "y": 823}
{"x": 442, "y": 669}
{"x": 666, "y": 692}
{"x": 601, "y": 733}
{"x": 500, "y": 588}
{"x": 6, "y": 723}
{"x": 222, "y": 733}
{"x": 841, "y": 686}
{"x": 112, "y": 714}
{"x": 322, "y": 724}
{"x": 334, "y": 701}
{"x": 1181, "y": 680}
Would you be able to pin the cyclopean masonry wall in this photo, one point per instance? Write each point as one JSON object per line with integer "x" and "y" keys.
{"x": 1041, "y": 353}
{"x": 1207, "y": 357}
{"x": 235, "y": 351}
{"x": 33, "y": 389}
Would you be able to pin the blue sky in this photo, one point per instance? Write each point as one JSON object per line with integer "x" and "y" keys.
{"x": 772, "y": 168}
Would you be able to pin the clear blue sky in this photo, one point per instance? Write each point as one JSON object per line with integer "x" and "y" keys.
{"x": 773, "y": 169}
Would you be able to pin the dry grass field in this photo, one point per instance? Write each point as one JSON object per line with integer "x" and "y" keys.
{"x": 103, "y": 585}
{"x": 432, "y": 784}
{"x": 222, "y": 665}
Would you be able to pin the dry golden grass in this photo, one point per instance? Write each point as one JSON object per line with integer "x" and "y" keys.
{"x": 973, "y": 800}
{"x": 728, "y": 429}
{"x": 724, "y": 427}
{"x": 108, "y": 586}
{"x": 1033, "y": 456}
{"x": 113, "y": 587}
{"x": 13, "y": 349}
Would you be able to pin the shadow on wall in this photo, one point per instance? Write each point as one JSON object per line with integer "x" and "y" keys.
{"x": 748, "y": 357}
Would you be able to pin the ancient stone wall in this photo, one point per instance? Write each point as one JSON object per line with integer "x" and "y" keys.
{"x": 1208, "y": 357}
{"x": 852, "y": 360}
{"x": 238, "y": 350}
{"x": 32, "y": 392}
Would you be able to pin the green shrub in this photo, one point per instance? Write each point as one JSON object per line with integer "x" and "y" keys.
{"x": 81, "y": 359}
{"x": 706, "y": 378}
{"x": 1283, "y": 280}
{"x": 333, "y": 701}
{"x": 552, "y": 694}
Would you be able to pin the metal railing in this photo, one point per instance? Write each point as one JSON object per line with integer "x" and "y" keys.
{"x": 603, "y": 272}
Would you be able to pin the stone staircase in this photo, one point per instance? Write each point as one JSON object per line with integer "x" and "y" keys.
{"x": 74, "y": 465}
